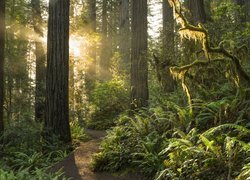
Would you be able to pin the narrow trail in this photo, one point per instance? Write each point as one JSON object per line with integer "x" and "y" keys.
{"x": 77, "y": 164}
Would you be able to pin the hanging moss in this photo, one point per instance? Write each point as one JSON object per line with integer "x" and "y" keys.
{"x": 200, "y": 35}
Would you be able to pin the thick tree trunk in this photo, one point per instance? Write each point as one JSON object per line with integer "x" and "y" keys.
{"x": 57, "y": 90}
{"x": 124, "y": 34}
{"x": 139, "y": 64}
{"x": 167, "y": 80}
{"x": 40, "y": 62}
{"x": 2, "y": 47}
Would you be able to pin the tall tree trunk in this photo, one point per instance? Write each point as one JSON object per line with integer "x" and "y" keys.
{"x": 197, "y": 10}
{"x": 139, "y": 64}
{"x": 198, "y": 15}
{"x": 111, "y": 30}
{"x": 167, "y": 81}
{"x": 91, "y": 66}
{"x": 57, "y": 90}
{"x": 40, "y": 62}
{"x": 104, "y": 61}
{"x": 2, "y": 47}
{"x": 124, "y": 34}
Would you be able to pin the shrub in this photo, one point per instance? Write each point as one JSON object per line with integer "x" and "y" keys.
{"x": 108, "y": 100}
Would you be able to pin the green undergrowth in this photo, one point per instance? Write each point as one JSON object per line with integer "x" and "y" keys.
{"x": 24, "y": 174}
{"x": 78, "y": 133}
{"x": 26, "y": 155}
{"x": 108, "y": 100}
{"x": 172, "y": 142}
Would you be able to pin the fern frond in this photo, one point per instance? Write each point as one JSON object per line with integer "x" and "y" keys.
{"x": 226, "y": 126}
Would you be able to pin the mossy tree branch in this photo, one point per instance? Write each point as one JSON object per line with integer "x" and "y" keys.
{"x": 187, "y": 67}
{"x": 199, "y": 33}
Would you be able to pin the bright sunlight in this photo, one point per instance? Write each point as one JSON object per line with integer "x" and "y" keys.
{"x": 77, "y": 45}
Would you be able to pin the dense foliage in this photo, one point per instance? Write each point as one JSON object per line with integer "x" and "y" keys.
{"x": 109, "y": 99}
{"x": 204, "y": 135}
{"x": 193, "y": 123}
{"x": 27, "y": 156}
{"x": 166, "y": 144}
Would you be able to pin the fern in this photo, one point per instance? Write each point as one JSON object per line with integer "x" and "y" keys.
{"x": 222, "y": 127}
{"x": 245, "y": 173}
{"x": 26, "y": 173}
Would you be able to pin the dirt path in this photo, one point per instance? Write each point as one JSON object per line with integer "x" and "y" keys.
{"x": 77, "y": 165}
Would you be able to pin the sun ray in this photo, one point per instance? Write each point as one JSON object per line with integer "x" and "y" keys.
{"x": 77, "y": 45}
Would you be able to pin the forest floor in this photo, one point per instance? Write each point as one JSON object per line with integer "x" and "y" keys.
{"x": 77, "y": 165}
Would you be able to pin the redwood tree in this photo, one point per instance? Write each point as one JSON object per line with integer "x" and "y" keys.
{"x": 90, "y": 75}
{"x": 104, "y": 59}
{"x": 139, "y": 64}
{"x": 57, "y": 93}
{"x": 124, "y": 35}
{"x": 40, "y": 62}
{"x": 167, "y": 80}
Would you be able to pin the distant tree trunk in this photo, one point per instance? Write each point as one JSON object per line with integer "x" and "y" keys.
{"x": 40, "y": 62}
{"x": 92, "y": 25}
{"x": 198, "y": 15}
{"x": 112, "y": 33}
{"x": 124, "y": 34}
{"x": 139, "y": 64}
{"x": 91, "y": 67}
{"x": 2, "y": 47}
{"x": 57, "y": 90}
{"x": 167, "y": 80}
{"x": 104, "y": 61}
{"x": 197, "y": 10}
